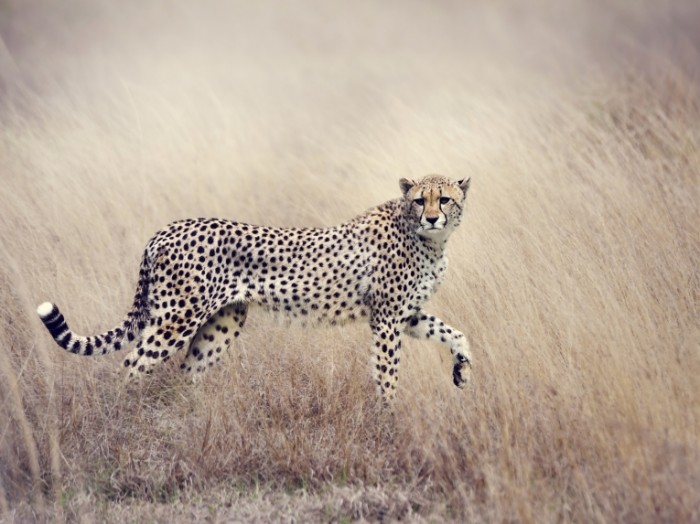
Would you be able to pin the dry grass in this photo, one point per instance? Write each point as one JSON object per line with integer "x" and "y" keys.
{"x": 575, "y": 274}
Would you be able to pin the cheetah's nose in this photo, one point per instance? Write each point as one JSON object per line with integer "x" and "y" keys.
{"x": 432, "y": 220}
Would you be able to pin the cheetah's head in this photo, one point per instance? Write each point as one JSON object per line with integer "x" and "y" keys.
{"x": 434, "y": 204}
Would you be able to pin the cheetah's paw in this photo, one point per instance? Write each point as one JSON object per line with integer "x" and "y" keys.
{"x": 461, "y": 371}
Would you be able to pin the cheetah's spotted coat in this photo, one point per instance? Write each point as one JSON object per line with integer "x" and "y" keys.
{"x": 199, "y": 276}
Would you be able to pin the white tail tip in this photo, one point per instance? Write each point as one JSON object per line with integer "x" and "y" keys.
{"x": 44, "y": 309}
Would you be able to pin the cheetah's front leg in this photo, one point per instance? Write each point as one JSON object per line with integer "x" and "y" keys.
{"x": 386, "y": 340}
{"x": 425, "y": 326}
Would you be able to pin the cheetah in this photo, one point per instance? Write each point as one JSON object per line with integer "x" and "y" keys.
{"x": 198, "y": 278}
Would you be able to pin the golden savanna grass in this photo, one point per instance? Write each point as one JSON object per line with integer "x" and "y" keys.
{"x": 575, "y": 272}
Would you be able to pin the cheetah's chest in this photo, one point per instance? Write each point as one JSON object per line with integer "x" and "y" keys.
{"x": 432, "y": 277}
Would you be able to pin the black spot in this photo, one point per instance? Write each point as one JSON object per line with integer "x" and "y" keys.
{"x": 57, "y": 326}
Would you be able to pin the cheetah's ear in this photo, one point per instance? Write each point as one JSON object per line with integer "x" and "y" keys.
{"x": 464, "y": 184}
{"x": 406, "y": 185}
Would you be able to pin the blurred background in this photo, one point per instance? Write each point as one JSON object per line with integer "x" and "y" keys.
{"x": 574, "y": 273}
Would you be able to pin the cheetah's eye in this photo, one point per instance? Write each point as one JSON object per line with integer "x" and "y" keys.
{"x": 445, "y": 200}
{"x": 419, "y": 201}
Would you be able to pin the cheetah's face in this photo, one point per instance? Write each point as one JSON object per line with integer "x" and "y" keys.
{"x": 434, "y": 204}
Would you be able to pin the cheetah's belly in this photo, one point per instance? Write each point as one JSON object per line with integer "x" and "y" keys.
{"x": 312, "y": 297}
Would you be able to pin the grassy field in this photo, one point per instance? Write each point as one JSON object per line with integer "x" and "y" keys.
{"x": 574, "y": 274}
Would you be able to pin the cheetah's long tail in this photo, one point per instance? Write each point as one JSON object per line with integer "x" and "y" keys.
{"x": 114, "y": 339}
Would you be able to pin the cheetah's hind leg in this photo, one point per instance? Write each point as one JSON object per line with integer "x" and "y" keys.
{"x": 160, "y": 340}
{"x": 215, "y": 337}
